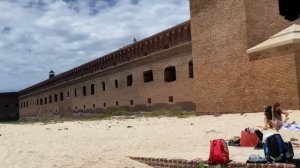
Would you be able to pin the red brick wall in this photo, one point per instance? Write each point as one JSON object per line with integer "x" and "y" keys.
{"x": 158, "y": 90}
{"x": 297, "y": 58}
{"x": 225, "y": 79}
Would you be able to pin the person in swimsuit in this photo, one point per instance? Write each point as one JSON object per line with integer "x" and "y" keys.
{"x": 277, "y": 116}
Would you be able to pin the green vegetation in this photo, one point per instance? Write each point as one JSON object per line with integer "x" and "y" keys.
{"x": 171, "y": 113}
{"x": 116, "y": 111}
{"x": 121, "y": 111}
{"x": 110, "y": 113}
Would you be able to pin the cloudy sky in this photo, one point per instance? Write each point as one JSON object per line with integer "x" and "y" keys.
{"x": 39, "y": 35}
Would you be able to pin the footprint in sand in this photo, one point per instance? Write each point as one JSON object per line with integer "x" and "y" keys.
{"x": 211, "y": 131}
{"x": 32, "y": 152}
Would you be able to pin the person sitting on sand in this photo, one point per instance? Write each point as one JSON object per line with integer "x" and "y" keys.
{"x": 268, "y": 117}
{"x": 277, "y": 116}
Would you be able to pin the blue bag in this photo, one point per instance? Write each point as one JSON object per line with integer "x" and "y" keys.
{"x": 275, "y": 149}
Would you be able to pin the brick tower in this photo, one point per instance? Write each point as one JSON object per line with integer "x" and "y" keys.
{"x": 226, "y": 80}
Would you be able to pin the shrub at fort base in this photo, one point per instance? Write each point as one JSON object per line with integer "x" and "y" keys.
{"x": 124, "y": 112}
{"x": 177, "y": 112}
{"x": 110, "y": 113}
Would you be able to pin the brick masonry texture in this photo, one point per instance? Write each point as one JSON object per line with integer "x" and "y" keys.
{"x": 157, "y": 90}
{"x": 9, "y": 107}
{"x": 226, "y": 80}
{"x": 182, "y": 163}
{"x": 212, "y": 45}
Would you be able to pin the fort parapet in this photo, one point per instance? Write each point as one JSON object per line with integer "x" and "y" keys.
{"x": 166, "y": 39}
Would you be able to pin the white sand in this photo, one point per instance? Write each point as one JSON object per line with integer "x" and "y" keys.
{"x": 92, "y": 144}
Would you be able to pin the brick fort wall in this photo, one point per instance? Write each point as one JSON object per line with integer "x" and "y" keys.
{"x": 9, "y": 107}
{"x": 226, "y": 80}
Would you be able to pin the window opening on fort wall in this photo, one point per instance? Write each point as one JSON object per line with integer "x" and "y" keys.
{"x": 61, "y": 96}
{"x": 55, "y": 98}
{"x": 129, "y": 80}
{"x": 116, "y": 83}
{"x": 149, "y": 100}
{"x": 148, "y": 76}
{"x": 191, "y": 69}
{"x": 170, "y": 74}
{"x": 103, "y": 86}
{"x": 84, "y": 91}
{"x": 171, "y": 99}
{"x": 92, "y": 89}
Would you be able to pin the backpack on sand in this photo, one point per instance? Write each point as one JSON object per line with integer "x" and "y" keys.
{"x": 219, "y": 153}
{"x": 289, "y": 151}
{"x": 276, "y": 150}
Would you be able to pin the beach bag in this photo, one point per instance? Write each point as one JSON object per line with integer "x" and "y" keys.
{"x": 219, "y": 153}
{"x": 289, "y": 151}
{"x": 275, "y": 149}
{"x": 248, "y": 139}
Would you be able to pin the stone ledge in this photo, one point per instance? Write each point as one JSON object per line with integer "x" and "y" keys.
{"x": 182, "y": 163}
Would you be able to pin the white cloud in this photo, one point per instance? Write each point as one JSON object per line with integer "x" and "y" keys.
{"x": 39, "y": 35}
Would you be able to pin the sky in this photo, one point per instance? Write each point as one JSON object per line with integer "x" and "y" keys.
{"x": 39, "y": 35}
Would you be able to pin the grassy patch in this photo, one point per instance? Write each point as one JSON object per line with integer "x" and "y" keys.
{"x": 117, "y": 111}
{"x": 110, "y": 113}
{"x": 171, "y": 113}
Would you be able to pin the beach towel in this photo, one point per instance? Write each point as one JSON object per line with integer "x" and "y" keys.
{"x": 291, "y": 127}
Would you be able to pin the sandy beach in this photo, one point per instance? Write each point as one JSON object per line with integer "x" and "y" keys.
{"x": 107, "y": 143}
